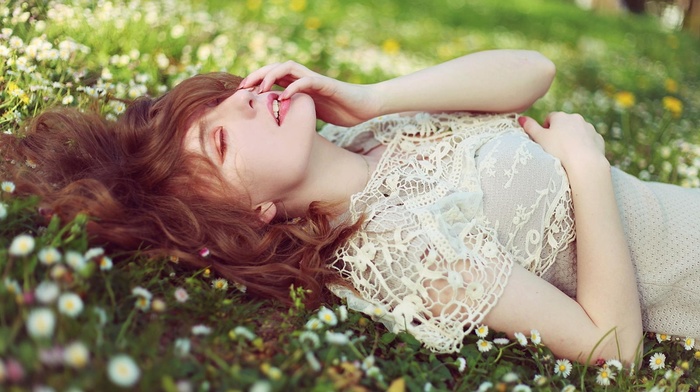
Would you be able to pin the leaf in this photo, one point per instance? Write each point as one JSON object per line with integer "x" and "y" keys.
{"x": 387, "y": 338}
{"x": 398, "y": 385}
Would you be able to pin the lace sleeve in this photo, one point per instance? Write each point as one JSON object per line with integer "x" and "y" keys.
{"x": 434, "y": 272}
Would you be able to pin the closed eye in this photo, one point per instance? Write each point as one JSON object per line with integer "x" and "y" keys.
{"x": 222, "y": 144}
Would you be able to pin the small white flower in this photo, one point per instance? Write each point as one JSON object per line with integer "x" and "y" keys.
{"x": 67, "y": 100}
{"x": 49, "y": 256}
{"x": 313, "y": 324}
{"x": 46, "y": 292}
{"x": 657, "y": 361}
{"x": 182, "y": 346}
{"x": 535, "y": 337}
{"x": 7, "y": 186}
{"x": 41, "y": 323}
{"x": 605, "y": 375}
{"x": 521, "y": 388}
{"x": 123, "y": 371}
{"x": 485, "y": 386}
{"x": 481, "y": 331}
{"x": 93, "y": 253}
{"x": 106, "y": 263}
{"x": 427, "y": 387}
{"x": 201, "y": 329}
{"x": 310, "y": 336}
{"x": 510, "y": 377}
{"x": 219, "y": 284}
{"x": 181, "y": 295}
{"x": 614, "y": 363}
{"x": 261, "y": 386}
{"x": 501, "y": 341}
{"x": 461, "y": 364}
{"x": 313, "y": 362}
{"x": 75, "y": 260}
{"x": 569, "y": 388}
{"x": 70, "y": 304}
{"x": 342, "y": 313}
{"x": 522, "y": 340}
{"x": 327, "y": 316}
{"x": 662, "y": 337}
{"x": 338, "y": 339}
{"x": 141, "y": 292}
{"x": 245, "y": 332}
{"x": 22, "y": 245}
{"x": 76, "y": 355}
{"x": 12, "y": 286}
{"x": 240, "y": 287}
{"x": 689, "y": 343}
{"x": 563, "y": 367}
{"x": 484, "y": 345}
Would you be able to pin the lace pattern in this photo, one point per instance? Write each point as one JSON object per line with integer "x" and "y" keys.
{"x": 435, "y": 255}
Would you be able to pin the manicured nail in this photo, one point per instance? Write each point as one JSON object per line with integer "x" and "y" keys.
{"x": 521, "y": 120}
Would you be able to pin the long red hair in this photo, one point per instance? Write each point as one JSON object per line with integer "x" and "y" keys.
{"x": 145, "y": 193}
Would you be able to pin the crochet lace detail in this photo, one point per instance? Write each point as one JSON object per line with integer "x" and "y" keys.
{"x": 437, "y": 246}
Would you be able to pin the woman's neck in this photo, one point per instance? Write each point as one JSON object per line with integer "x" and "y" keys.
{"x": 334, "y": 174}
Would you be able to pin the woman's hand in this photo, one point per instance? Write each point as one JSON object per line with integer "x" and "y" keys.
{"x": 568, "y": 137}
{"x": 336, "y": 102}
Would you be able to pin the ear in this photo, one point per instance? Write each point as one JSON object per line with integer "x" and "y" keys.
{"x": 266, "y": 211}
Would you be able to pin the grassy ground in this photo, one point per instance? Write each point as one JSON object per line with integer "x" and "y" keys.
{"x": 82, "y": 324}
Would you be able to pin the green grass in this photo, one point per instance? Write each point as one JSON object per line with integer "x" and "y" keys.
{"x": 636, "y": 82}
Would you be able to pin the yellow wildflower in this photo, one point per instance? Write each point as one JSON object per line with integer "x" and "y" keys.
{"x": 297, "y": 5}
{"x": 673, "y": 105}
{"x": 624, "y": 99}
{"x": 312, "y": 23}
{"x": 391, "y": 46}
{"x": 671, "y": 86}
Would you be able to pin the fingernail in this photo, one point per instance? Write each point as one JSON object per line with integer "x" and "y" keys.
{"x": 521, "y": 120}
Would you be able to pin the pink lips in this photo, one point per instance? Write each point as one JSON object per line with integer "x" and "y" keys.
{"x": 283, "y": 109}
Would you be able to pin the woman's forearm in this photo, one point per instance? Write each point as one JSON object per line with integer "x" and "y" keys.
{"x": 489, "y": 81}
{"x": 607, "y": 285}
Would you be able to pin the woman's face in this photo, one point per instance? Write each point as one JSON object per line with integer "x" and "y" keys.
{"x": 262, "y": 146}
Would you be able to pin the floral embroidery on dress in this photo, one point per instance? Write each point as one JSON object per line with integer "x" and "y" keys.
{"x": 435, "y": 255}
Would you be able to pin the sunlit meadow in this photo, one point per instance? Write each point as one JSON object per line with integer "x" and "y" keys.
{"x": 71, "y": 319}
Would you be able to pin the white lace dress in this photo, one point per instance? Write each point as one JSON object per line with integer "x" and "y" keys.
{"x": 457, "y": 199}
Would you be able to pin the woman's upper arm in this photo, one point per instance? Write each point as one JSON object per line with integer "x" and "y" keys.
{"x": 529, "y": 302}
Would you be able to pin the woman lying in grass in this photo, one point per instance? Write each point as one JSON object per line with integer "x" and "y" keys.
{"x": 422, "y": 214}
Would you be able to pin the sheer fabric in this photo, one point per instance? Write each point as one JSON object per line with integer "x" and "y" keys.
{"x": 457, "y": 199}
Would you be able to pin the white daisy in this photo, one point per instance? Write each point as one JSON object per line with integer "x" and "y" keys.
{"x": 336, "y": 338}
{"x": 485, "y": 386}
{"x": 181, "y": 295}
{"x": 219, "y": 284}
{"x": 70, "y": 304}
{"x": 657, "y": 361}
{"x": 481, "y": 331}
{"x": 41, "y": 323}
{"x": 689, "y": 343}
{"x": 614, "y": 363}
{"x": 49, "y": 256}
{"x": 605, "y": 375}
{"x": 201, "y": 329}
{"x": 75, "y": 260}
{"x": 313, "y": 324}
{"x": 563, "y": 367}
{"x": 501, "y": 341}
{"x": 106, "y": 263}
{"x": 662, "y": 337}
{"x": 22, "y": 245}
{"x": 521, "y": 388}
{"x": 93, "y": 253}
{"x": 484, "y": 345}
{"x": 535, "y": 337}
{"x": 245, "y": 332}
{"x": 310, "y": 336}
{"x": 7, "y": 186}
{"x": 327, "y": 316}
{"x": 343, "y": 313}
{"x": 520, "y": 337}
{"x": 76, "y": 355}
{"x": 461, "y": 364}
{"x": 46, "y": 292}
{"x": 123, "y": 371}
{"x": 141, "y": 292}
{"x": 182, "y": 346}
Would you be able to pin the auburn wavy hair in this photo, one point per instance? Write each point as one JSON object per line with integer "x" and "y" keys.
{"x": 145, "y": 193}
